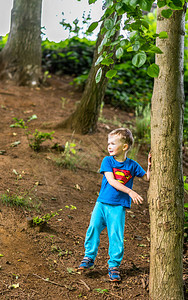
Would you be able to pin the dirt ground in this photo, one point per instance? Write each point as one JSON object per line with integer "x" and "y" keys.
{"x": 39, "y": 262}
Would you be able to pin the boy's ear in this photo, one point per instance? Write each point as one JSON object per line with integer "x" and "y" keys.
{"x": 125, "y": 147}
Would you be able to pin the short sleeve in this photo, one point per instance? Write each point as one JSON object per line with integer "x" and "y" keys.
{"x": 106, "y": 165}
{"x": 139, "y": 171}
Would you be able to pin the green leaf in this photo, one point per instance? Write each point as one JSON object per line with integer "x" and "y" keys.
{"x": 136, "y": 46}
{"x": 145, "y": 24}
{"x": 92, "y": 1}
{"x": 132, "y": 3}
{"x": 107, "y": 61}
{"x": 111, "y": 73}
{"x": 163, "y": 35}
{"x": 175, "y": 4}
{"x": 139, "y": 59}
{"x": 108, "y": 24}
{"x": 98, "y": 75}
{"x": 153, "y": 70}
{"x": 146, "y": 5}
{"x": 33, "y": 117}
{"x": 119, "y": 53}
{"x": 99, "y": 59}
{"x": 155, "y": 49}
{"x": 167, "y": 13}
{"x": 161, "y": 3}
{"x": 92, "y": 26}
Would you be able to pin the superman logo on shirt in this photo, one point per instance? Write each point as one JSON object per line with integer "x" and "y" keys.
{"x": 122, "y": 176}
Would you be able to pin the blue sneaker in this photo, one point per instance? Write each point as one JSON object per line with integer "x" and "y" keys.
{"x": 114, "y": 274}
{"x": 86, "y": 264}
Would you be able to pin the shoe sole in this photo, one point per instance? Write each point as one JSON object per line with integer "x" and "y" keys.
{"x": 84, "y": 269}
{"x": 115, "y": 280}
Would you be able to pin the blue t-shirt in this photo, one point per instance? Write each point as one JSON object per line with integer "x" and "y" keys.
{"x": 124, "y": 172}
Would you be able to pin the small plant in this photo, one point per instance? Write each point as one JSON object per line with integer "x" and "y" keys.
{"x": 20, "y": 123}
{"x": 69, "y": 157}
{"x": 38, "y": 138}
{"x": 101, "y": 291}
{"x": 38, "y": 221}
{"x": 21, "y": 200}
{"x": 64, "y": 101}
{"x": 72, "y": 207}
{"x": 45, "y": 76}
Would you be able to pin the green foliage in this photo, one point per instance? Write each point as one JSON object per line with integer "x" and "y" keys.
{"x": 69, "y": 157}
{"x": 21, "y": 199}
{"x": 19, "y": 123}
{"x": 3, "y": 41}
{"x": 140, "y": 40}
{"x": 142, "y": 125}
{"x": 101, "y": 291}
{"x": 72, "y": 56}
{"x": 38, "y": 221}
{"x": 38, "y": 138}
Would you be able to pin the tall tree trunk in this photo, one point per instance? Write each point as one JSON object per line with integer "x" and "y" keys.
{"x": 20, "y": 60}
{"x": 84, "y": 119}
{"x": 166, "y": 184}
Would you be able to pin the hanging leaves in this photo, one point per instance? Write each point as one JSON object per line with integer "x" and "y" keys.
{"x": 153, "y": 70}
{"x": 92, "y": 26}
{"x": 139, "y": 59}
{"x": 98, "y": 75}
{"x": 111, "y": 73}
{"x": 119, "y": 53}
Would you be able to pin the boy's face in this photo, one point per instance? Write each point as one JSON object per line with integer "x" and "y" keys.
{"x": 115, "y": 146}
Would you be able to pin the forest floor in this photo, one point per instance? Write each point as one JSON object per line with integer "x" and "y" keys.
{"x": 39, "y": 262}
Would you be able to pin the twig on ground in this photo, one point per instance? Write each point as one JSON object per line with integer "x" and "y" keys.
{"x": 83, "y": 282}
{"x": 49, "y": 281}
{"x": 115, "y": 295}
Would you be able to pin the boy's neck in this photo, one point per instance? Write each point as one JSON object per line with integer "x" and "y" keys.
{"x": 120, "y": 158}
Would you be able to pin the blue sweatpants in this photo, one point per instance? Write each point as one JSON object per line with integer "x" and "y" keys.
{"x": 112, "y": 217}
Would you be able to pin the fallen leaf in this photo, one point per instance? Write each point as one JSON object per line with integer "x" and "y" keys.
{"x": 14, "y": 286}
{"x": 78, "y": 187}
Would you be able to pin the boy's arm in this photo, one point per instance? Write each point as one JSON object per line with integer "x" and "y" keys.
{"x": 119, "y": 186}
{"x": 146, "y": 176}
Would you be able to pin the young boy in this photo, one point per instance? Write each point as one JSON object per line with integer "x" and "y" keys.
{"x": 114, "y": 197}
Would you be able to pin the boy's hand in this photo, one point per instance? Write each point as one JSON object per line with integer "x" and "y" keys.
{"x": 149, "y": 160}
{"x": 135, "y": 197}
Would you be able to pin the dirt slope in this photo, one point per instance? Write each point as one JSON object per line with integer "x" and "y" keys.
{"x": 39, "y": 262}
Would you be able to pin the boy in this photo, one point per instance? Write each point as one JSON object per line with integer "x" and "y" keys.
{"x": 114, "y": 197}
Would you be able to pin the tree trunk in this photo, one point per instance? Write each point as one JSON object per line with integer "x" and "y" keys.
{"x": 20, "y": 60}
{"x": 84, "y": 119}
{"x": 166, "y": 184}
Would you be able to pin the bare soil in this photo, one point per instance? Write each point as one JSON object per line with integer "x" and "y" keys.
{"x": 39, "y": 262}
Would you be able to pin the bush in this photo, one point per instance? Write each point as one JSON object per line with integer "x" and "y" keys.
{"x": 73, "y": 56}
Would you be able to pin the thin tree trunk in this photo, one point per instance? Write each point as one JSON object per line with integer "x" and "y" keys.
{"x": 166, "y": 184}
{"x": 20, "y": 60}
{"x": 84, "y": 119}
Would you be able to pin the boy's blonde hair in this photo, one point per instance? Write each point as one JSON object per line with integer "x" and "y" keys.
{"x": 125, "y": 136}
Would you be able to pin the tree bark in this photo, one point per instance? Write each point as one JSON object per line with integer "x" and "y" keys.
{"x": 84, "y": 119}
{"x": 20, "y": 60}
{"x": 166, "y": 185}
